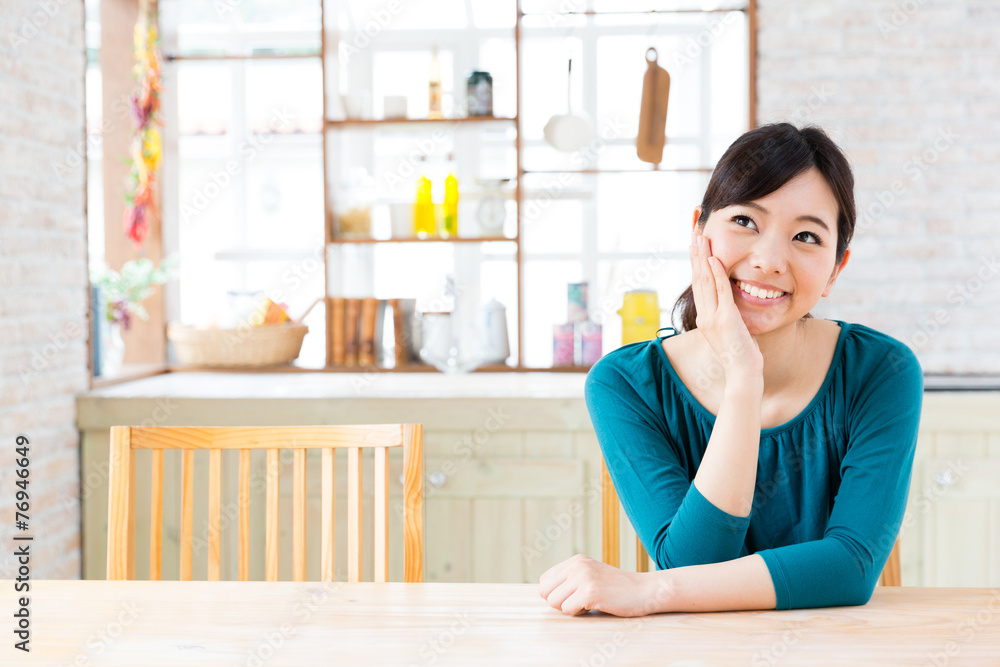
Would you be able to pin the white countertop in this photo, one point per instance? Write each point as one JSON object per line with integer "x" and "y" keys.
{"x": 403, "y": 385}
{"x": 348, "y": 385}
{"x": 526, "y": 401}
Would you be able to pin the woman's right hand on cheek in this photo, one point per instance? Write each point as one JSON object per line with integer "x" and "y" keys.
{"x": 718, "y": 318}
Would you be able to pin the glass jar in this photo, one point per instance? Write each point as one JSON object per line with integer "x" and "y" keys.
{"x": 238, "y": 308}
{"x": 352, "y": 209}
{"x": 479, "y": 94}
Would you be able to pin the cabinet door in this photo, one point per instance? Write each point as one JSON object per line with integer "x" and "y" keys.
{"x": 499, "y": 520}
{"x": 961, "y": 499}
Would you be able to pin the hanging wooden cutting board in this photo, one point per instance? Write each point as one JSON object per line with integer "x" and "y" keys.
{"x": 653, "y": 111}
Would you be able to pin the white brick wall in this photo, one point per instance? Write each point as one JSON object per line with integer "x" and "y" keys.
{"x": 43, "y": 280}
{"x": 892, "y": 82}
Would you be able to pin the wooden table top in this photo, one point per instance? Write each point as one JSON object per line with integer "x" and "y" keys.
{"x": 301, "y": 624}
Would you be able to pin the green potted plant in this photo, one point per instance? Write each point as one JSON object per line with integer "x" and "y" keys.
{"x": 122, "y": 294}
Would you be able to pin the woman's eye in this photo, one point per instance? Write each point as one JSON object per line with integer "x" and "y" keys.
{"x": 739, "y": 220}
{"x": 815, "y": 238}
{"x": 747, "y": 223}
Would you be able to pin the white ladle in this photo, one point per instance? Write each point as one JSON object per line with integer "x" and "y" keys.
{"x": 568, "y": 132}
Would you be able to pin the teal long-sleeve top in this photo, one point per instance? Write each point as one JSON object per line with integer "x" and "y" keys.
{"x": 831, "y": 484}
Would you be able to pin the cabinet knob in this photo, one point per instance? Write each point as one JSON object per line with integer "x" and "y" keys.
{"x": 944, "y": 478}
{"x": 435, "y": 479}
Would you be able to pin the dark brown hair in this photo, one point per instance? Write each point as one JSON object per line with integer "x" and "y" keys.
{"x": 758, "y": 163}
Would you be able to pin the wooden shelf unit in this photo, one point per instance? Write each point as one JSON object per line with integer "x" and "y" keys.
{"x": 519, "y": 191}
{"x": 329, "y": 124}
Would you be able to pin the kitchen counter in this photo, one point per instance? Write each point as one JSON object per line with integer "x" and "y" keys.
{"x": 535, "y": 400}
{"x": 512, "y": 458}
{"x": 544, "y": 401}
{"x": 404, "y": 385}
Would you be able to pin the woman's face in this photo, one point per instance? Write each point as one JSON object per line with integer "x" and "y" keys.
{"x": 786, "y": 241}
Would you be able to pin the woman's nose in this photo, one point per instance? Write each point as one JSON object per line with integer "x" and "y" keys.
{"x": 770, "y": 254}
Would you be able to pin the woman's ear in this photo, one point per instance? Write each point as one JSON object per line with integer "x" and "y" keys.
{"x": 697, "y": 214}
{"x": 836, "y": 273}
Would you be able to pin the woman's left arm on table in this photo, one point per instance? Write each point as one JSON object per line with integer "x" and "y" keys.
{"x": 581, "y": 584}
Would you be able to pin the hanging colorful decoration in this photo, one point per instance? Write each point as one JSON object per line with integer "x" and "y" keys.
{"x": 145, "y": 152}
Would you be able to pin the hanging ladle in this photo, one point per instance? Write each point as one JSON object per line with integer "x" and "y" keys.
{"x": 568, "y": 132}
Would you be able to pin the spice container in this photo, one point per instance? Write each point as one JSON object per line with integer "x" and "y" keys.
{"x": 479, "y": 94}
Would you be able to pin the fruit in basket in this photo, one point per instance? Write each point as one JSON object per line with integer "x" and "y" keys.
{"x": 269, "y": 312}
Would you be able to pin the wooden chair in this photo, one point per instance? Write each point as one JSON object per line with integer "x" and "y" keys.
{"x": 299, "y": 439}
{"x": 610, "y": 536}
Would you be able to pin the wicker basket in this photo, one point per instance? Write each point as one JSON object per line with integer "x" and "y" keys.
{"x": 246, "y": 347}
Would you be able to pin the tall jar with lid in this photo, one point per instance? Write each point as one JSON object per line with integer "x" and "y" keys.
{"x": 352, "y": 207}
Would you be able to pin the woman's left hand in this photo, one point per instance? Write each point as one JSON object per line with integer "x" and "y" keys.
{"x": 580, "y": 584}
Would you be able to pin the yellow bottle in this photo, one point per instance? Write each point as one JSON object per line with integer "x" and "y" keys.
{"x": 423, "y": 209}
{"x": 451, "y": 205}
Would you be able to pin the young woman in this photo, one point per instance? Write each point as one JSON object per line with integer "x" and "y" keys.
{"x": 763, "y": 455}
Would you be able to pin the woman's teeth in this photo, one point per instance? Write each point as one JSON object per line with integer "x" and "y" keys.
{"x": 759, "y": 293}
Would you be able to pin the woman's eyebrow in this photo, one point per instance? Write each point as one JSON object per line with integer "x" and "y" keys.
{"x": 807, "y": 218}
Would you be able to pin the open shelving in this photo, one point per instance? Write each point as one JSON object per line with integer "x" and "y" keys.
{"x": 526, "y": 174}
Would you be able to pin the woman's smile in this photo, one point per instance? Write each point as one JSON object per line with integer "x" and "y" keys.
{"x": 755, "y": 295}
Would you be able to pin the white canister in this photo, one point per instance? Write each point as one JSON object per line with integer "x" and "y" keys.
{"x": 492, "y": 330}
{"x": 401, "y": 220}
{"x": 394, "y": 106}
{"x": 436, "y": 337}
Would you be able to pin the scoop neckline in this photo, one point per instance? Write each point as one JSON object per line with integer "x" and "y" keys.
{"x": 690, "y": 398}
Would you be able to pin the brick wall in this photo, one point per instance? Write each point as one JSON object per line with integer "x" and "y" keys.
{"x": 43, "y": 280}
{"x": 910, "y": 89}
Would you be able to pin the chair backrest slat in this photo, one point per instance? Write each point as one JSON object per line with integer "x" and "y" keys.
{"x": 131, "y": 515}
{"x": 243, "y": 501}
{"x": 187, "y": 514}
{"x": 119, "y": 507}
{"x": 891, "y": 574}
{"x": 125, "y": 440}
{"x": 413, "y": 502}
{"x": 609, "y": 514}
{"x": 214, "y": 515}
{"x": 354, "y": 496}
{"x": 381, "y": 553}
{"x": 156, "y": 516}
{"x": 272, "y": 515}
{"x": 299, "y": 516}
{"x": 328, "y": 525}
